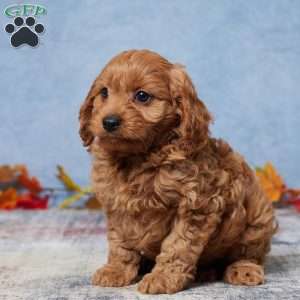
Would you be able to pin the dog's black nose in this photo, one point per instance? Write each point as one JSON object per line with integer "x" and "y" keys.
{"x": 111, "y": 123}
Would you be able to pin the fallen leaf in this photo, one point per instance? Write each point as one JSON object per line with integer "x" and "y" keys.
{"x": 75, "y": 197}
{"x": 92, "y": 203}
{"x": 9, "y": 176}
{"x": 30, "y": 183}
{"x": 32, "y": 201}
{"x": 67, "y": 181}
{"x": 7, "y": 173}
{"x": 271, "y": 182}
{"x": 8, "y": 199}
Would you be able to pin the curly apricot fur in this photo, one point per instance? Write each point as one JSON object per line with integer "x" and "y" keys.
{"x": 171, "y": 192}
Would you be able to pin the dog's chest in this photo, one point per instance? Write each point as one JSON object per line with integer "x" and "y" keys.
{"x": 143, "y": 232}
{"x": 140, "y": 206}
{"x": 143, "y": 219}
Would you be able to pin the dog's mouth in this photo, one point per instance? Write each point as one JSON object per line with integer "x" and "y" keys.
{"x": 119, "y": 144}
{"x": 113, "y": 139}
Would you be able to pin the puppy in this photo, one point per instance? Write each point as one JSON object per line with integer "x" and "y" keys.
{"x": 171, "y": 192}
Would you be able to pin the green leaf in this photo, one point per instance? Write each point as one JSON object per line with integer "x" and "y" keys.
{"x": 67, "y": 202}
{"x": 67, "y": 181}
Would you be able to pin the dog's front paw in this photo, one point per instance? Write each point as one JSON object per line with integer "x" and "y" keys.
{"x": 113, "y": 276}
{"x": 161, "y": 283}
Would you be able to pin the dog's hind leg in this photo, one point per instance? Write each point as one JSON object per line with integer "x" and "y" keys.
{"x": 244, "y": 272}
{"x": 247, "y": 256}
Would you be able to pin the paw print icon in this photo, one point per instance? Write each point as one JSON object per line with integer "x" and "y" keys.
{"x": 24, "y": 31}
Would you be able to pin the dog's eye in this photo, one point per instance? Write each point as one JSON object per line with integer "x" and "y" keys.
{"x": 142, "y": 96}
{"x": 104, "y": 92}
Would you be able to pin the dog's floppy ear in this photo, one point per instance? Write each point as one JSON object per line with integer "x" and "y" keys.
{"x": 194, "y": 116}
{"x": 85, "y": 116}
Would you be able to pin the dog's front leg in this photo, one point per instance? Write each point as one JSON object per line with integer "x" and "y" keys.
{"x": 176, "y": 264}
{"x": 122, "y": 266}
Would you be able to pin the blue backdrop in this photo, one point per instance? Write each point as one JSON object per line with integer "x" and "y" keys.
{"x": 243, "y": 56}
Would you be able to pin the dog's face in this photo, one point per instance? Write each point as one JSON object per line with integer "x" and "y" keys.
{"x": 138, "y": 97}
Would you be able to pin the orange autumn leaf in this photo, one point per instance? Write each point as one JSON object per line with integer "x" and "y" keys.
{"x": 10, "y": 172}
{"x": 31, "y": 183}
{"x": 92, "y": 203}
{"x": 7, "y": 174}
{"x": 8, "y": 199}
{"x": 271, "y": 181}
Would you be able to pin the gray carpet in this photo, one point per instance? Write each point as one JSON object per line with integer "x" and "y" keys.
{"x": 51, "y": 255}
